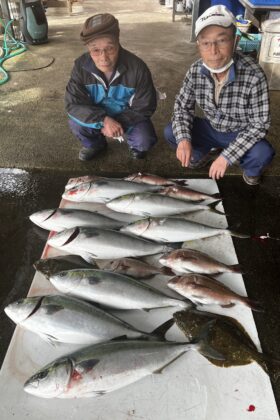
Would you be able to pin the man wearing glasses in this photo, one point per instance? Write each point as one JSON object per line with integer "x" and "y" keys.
{"x": 110, "y": 93}
{"x": 232, "y": 92}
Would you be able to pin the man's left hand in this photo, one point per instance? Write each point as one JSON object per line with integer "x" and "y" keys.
{"x": 218, "y": 168}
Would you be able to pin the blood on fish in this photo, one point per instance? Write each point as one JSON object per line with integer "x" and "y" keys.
{"x": 72, "y": 192}
{"x": 251, "y": 408}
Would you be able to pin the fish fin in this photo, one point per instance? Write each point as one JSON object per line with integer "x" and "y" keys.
{"x": 236, "y": 268}
{"x": 202, "y": 343}
{"x": 182, "y": 182}
{"x": 212, "y": 207}
{"x": 159, "y": 371}
{"x": 146, "y": 214}
{"x": 166, "y": 271}
{"x": 173, "y": 245}
{"x": 237, "y": 234}
{"x": 88, "y": 365}
{"x": 120, "y": 337}
{"x": 89, "y": 258}
{"x": 255, "y": 306}
{"x": 163, "y": 328}
{"x": 229, "y": 305}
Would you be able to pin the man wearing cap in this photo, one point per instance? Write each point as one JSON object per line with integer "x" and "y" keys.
{"x": 232, "y": 92}
{"x": 110, "y": 93}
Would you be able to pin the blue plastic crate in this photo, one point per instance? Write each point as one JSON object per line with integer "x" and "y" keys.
{"x": 252, "y": 44}
{"x": 265, "y": 3}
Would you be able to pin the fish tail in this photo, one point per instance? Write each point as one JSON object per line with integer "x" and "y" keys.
{"x": 202, "y": 345}
{"x": 217, "y": 196}
{"x": 172, "y": 246}
{"x": 212, "y": 207}
{"x": 238, "y": 235}
{"x": 163, "y": 328}
{"x": 182, "y": 182}
{"x": 235, "y": 268}
{"x": 255, "y": 306}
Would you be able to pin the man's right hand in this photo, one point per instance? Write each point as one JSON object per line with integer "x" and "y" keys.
{"x": 183, "y": 152}
{"x": 112, "y": 128}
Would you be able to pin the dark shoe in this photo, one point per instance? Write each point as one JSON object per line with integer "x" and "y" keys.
{"x": 252, "y": 180}
{"x": 136, "y": 154}
{"x": 88, "y": 153}
{"x": 205, "y": 160}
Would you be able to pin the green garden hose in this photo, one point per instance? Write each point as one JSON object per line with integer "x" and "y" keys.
{"x": 11, "y": 47}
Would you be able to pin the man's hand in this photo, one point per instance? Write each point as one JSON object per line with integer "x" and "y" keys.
{"x": 183, "y": 152}
{"x": 218, "y": 168}
{"x": 112, "y": 128}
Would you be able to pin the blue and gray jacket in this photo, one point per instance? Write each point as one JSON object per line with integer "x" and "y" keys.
{"x": 129, "y": 98}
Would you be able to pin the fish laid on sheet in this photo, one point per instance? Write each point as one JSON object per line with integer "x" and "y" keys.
{"x": 133, "y": 268}
{"x": 66, "y": 319}
{"x": 104, "y": 190}
{"x": 150, "y": 204}
{"x": 152, "y": 179}
{"x": 204, "y": 290}
{"x": 102, "y": 368}
{"x": 94, "y": 243}
{"x": 191, "y": 260}
{"x": 188, "y": 194}
{"x": 226, "y": 336}
{"x": 173, "y": 229}
{"x": 49, "y": 266}
{"x": 75, "y": 182}
{"x": 113, "y": 290}
{"x": 61, "y": 219}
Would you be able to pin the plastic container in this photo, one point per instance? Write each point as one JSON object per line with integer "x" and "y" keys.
{"x": 270, "y": 52}
{"x": 243, "y": 24}
{"x": 252, "y": 44}
{"x": 233, "y": 5}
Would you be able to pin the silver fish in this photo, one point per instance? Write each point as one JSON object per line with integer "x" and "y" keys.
{"x": 75, "y": 182}
{"x": 113, "y": 290}
{"x": 204, "y": 290}
{"x": 133, "y": 268}
{"x": 152, "y": 179}
{"x": 94, "y": 243}
{"x": 104, "y": 190}
{"x": 149, "y": 204}
{"x": 172, "y": 229}
{"x": 69, "y": 320}
{"x": 190, "y": 260}
{"x": 183, "y": 193}
{"x": 60, "y": 219}
{"x": 93, "y": 371}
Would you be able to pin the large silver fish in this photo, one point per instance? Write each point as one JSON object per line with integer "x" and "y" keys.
{"x": 93, "y": 243}
{"x": 60, "y": 219}
{"x": 113, "y": 290}
{"x": 132, "y": 267}
{"x": 75, "y": 182}
{"x": 152, "y": 179}
{"x": 204, "y": 290}
{"x": 191, "y": 260}
{"x": 188, "y": 194}
{"x": 149, "y": 204}
{"x": 102, "y": 368}
{"x": 172, "y": 229}
{"x": 104, "y": 190}
{"x": 66, "y": 319}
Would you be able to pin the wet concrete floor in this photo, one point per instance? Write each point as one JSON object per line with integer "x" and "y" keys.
{"x": 253, "y": 210}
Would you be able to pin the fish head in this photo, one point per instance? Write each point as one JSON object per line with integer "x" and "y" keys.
{"x": 63, "y": 238}
{"x": 20, "y": 310}
{"x": 164, "y": 259}
{"x": 121, "y": 203}
{"x": 77, "y": 193}
{"x": 133, "y": 177}
{"x": 66, "y": 280}
{"x": 41, "y": 216}
{"x": 137, "y": 228}
{"x": 51, "y": 381}
{"x": 173, "y": 283}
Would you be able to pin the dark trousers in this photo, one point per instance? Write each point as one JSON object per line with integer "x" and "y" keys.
{"x": 141, "y": 136}
{"x": 205, "y": 137}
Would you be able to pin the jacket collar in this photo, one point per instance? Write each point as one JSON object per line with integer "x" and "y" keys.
{"x": 232, "y": 70}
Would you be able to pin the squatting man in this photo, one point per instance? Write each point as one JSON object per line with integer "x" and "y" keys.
{"x": 232, "y": 91}
{"x": 110, "y": 93}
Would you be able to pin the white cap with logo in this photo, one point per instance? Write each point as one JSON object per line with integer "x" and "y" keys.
{"x": 218, "y": 15}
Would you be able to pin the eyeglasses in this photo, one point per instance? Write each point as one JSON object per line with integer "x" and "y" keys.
{"x": 97, "y": 52}
{"x": 220, "y": 43}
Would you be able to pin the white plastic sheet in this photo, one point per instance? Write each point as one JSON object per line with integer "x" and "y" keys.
{"x": 191, "y": 388}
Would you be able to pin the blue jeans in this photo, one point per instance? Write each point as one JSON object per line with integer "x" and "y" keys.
{"x": 141, "y": 136}
{"x": 205, "y": 137}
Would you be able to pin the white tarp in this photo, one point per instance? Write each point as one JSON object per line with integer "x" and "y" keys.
{"x": 191, "y": 388}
